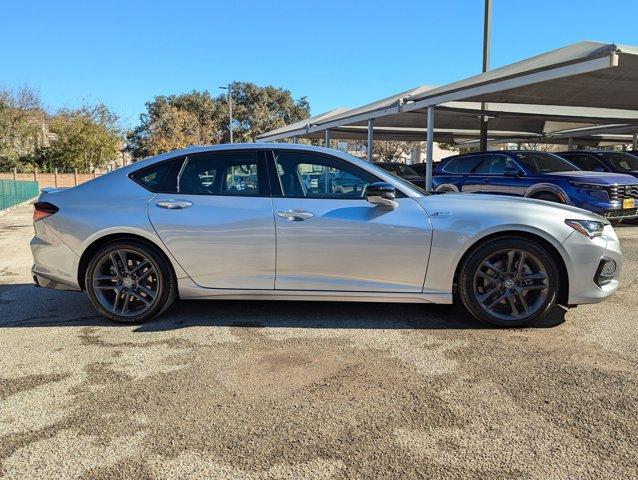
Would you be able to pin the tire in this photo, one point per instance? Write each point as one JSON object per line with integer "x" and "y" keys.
{"x": 550, "y": 197}
{"x": 615, "y": 222}
{"x": 476, "y": 281}
{"x": 132, "y": 292}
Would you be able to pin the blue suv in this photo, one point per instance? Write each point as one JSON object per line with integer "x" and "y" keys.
{"x": 540, "y": 175}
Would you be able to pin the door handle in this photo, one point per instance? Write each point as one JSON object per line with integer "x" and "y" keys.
{"x": 295, "y": 215}
{"x": 173, "y": 204}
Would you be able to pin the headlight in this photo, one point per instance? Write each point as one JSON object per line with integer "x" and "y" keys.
{"x": 588, "y": 186}
{"x": 589, "y": 228}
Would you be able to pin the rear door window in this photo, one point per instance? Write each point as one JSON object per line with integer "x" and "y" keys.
{"x": 468, "y": 164}
{"x": 495, "y": 165}
{"x": 224, "y": 173}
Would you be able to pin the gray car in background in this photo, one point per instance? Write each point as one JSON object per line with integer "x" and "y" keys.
{"x": 292, "y": 222}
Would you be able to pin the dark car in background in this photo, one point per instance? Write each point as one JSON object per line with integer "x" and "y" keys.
{"x": 539, "y": 175}
{"x": 420, "y": 168}
{"x": 404, "y": 171}
{"x": 603, "y": 161}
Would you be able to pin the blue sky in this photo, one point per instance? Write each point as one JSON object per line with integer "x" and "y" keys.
{"x": 337, "y": 53}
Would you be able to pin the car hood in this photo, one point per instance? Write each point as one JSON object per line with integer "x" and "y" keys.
{"x": 502, "y": 205}
{"x": 598, "y": 178}
{"x": 633, "y": 173}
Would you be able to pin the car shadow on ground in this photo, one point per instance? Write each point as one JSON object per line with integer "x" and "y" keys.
{"x": 24, "y": 305}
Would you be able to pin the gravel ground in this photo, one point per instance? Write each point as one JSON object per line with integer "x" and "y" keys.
{"x": 291, "y": 390}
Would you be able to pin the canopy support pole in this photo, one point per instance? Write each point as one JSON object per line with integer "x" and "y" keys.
{"x": 635, "y": 142}
{"x": 295, "y": 139}
{"x": 570, "y": 144}
{"x": 487, "y": 44}
{"x": 370, "y": 139}
{"x": 429, "y": 150}
{"x": 327, "y": 138}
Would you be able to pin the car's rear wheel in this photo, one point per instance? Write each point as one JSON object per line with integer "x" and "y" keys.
{"x": 130, "y": 282}
{"x": 510, "y": 282}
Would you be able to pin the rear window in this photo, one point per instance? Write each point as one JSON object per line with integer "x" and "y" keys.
{"x": 160, "y": 177}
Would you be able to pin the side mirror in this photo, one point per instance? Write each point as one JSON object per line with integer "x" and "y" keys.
{"x": 513, "y": 172}
{"x": 381, "y": 193}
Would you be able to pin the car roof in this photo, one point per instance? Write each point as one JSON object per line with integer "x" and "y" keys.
{"x": 502, "y": 152}
{"x": 596, "y": 151}
{"x": 193, "y": 149}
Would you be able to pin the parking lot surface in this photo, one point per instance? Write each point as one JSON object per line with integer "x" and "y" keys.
{"x": 289, "y": 390}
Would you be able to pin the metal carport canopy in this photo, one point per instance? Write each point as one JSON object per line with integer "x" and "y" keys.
{"x": 584, "y": 74}
{"x": 300, "y": 128}
{"x": 537, "y": 119}
{"x": 391, "y": 123}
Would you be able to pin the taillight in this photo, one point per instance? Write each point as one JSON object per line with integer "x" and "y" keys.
{"x": 43, "y": 210}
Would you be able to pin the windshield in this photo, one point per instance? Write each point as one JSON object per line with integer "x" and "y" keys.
{"x": 541, "y": 162}
{"x": 396, "y": 177}
{"x": 623, "y": 162}
{"x": 399, "y": 169}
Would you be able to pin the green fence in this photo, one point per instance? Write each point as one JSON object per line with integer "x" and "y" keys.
{"x": 13, "y": 192}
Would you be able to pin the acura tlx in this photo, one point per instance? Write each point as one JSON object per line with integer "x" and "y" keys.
{"x": 292, "y": 222}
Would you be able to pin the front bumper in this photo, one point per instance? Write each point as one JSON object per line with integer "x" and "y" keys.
{"x": 619, "y": 214}
{"x": 585, "y": 257}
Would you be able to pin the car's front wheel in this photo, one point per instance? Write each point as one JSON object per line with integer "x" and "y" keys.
{"x": 510, "y": 282}
{"x": 130, "y": 282}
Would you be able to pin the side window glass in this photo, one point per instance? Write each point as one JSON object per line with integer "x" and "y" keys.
{"x": 468, "y": 164}
{"x": 241, "y": 179}
{"x": 161, "y": 177}
{"x": 220, "y": 174}
{"x": 452, "y": 166}
{"x": 318, "y": 176}
{"x": 586, "y": 162}
{"x": 491, "y": 165}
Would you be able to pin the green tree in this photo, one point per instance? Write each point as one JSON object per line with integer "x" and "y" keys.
{"x": 257, "y": 110}
{"x": 196, "y": 118}
{"x": 176, "y": 121}
{"x": 87, "y": 138}
{"x": 22, "y": 126}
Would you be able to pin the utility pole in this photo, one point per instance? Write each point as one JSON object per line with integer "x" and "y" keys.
{"x": 487, "y": 41}
{"x": 230, "y": 110}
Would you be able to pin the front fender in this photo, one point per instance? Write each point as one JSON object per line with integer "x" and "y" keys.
{"x": 450, "y": 244}
{"x": 549, "y": 187}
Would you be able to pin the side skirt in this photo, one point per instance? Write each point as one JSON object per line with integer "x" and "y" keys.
{"x": 190, "y": 291}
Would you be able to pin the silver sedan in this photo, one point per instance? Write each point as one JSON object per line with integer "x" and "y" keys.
{"x": 292, "y": 222}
